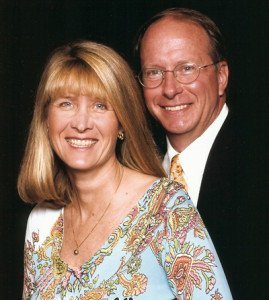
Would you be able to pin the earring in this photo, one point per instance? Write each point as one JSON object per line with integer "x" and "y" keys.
{"x": 121, "y": 135}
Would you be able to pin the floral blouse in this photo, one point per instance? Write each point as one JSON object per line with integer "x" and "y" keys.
{"x": 161, "y": 250}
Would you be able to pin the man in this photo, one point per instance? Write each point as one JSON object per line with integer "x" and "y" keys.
{"x": 184, "y": 74}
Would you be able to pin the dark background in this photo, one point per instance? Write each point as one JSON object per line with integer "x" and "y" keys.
{"x": 30, "y": 30}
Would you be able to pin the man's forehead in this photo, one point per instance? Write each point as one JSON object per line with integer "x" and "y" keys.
{"x": 168, "y": 38}
{"x": 171, "y": 28}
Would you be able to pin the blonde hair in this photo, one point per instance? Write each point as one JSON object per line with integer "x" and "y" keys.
{"x": 85, "y": 67}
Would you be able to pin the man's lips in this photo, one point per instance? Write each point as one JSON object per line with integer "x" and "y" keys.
{"x": 81, "y": 143}
{"x": 175, "y": 108}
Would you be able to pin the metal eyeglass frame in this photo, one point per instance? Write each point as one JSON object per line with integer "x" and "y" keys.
{"x": 173, "y": 71}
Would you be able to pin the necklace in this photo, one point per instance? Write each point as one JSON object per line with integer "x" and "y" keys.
{"x": 78, "y": 245}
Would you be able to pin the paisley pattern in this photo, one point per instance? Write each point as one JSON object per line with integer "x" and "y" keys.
{"x": 160, "y": 251}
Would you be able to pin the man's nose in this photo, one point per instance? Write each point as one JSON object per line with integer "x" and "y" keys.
{"x": 171, "y": 86}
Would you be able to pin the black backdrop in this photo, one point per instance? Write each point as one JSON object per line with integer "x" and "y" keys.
{"x": 29, "y": 30}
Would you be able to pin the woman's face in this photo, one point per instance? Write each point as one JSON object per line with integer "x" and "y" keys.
{"x": 83, "y": 131}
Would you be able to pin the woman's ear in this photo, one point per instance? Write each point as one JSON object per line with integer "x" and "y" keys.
{"x": 121, "y": 135}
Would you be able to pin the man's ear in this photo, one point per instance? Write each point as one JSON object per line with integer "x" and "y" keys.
{"x": 223, "y": 75}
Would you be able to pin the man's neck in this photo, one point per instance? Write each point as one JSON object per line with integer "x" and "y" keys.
{"x": 181, "y": 141}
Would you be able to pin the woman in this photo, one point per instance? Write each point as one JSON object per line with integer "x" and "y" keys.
{"x": 106, "y": 225}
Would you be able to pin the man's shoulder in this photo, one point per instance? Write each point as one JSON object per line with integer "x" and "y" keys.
{"x": 230, "y": 136}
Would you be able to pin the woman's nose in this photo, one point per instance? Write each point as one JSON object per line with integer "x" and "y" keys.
{"x": 82, "y": 120}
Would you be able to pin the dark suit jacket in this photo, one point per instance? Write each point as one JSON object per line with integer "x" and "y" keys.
{"x": 232, "y": 205}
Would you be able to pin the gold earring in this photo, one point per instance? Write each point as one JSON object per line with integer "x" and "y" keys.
{"x": 121, "y": 136}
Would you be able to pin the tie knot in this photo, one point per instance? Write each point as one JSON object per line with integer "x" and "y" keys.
{"x": 176, "y": 171}
{"x": 175, "y": 165}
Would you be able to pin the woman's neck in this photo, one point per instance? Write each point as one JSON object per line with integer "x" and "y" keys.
{"x": 96, "y": 186}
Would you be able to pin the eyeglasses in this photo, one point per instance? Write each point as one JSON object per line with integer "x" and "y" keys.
{"x": 184, "y": 73}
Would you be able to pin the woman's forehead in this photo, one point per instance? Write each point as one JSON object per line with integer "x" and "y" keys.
{"x": 78, "y": 84}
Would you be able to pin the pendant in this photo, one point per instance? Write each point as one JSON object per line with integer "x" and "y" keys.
{"x": 76, "y": 252}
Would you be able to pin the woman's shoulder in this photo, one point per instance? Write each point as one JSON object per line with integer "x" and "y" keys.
{"x": 42, "y": 219}
{"x": 136, "y": 181}
{"x": 162, "y": 185}
{"x": 45, "y": 213}
{"x": 46, "y": 207}
{"x": 169, "y": 193}
{"x": 168, "y": 185}
{"x": 150, "y": 188}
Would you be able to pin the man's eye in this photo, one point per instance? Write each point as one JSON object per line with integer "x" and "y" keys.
{"x": 189, "y": 68}
{"x": 152, "y": 73}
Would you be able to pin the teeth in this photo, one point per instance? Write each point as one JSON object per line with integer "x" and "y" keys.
{"x": 81, "y": 143}
{"x": 179, "y": 107}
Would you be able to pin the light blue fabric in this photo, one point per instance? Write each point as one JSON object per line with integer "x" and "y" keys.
{"x": 160, "y": 251}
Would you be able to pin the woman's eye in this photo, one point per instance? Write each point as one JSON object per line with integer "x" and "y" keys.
{"x": 100, "y": 106}
{"x": 64, "y": 104}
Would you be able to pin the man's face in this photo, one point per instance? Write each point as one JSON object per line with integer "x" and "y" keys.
{"x": 184, "y": 110}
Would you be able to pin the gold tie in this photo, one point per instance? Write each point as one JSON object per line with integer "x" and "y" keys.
{"x": 176, "y": 172}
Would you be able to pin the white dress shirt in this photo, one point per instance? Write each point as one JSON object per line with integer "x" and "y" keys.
{"x": 193, "y": 158}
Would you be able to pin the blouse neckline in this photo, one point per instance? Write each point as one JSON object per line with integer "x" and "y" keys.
{"x": 140, "y": 203}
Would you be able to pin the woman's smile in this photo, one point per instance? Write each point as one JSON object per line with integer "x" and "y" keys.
{"x": 81, "y": 143}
